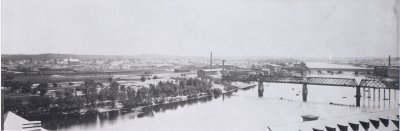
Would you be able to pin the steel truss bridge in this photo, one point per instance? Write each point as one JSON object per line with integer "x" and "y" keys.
{"x": 327, "y": 81}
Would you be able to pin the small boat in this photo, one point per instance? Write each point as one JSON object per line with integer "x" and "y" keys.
{"x": 309, "y": 118}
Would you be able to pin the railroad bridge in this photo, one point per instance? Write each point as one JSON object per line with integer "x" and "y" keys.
{"x": 326, "y": 81}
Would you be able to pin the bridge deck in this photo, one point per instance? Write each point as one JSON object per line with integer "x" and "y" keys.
{"x": 329, "y": 81}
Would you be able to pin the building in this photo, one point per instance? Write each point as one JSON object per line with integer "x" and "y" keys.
{"x": 72, "y": 61}
{"x": 380, "y": 71}
{"x": 393, "y": 72}
{"x": 273, "y": 67}
{"x": 207, "y": 73}
{"x": 385, "y": 71}
{"x": 181, "y": 70}
{"x": 242, "y": 72}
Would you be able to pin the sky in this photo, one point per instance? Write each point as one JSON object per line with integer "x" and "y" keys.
{"x": 272, "y": 28}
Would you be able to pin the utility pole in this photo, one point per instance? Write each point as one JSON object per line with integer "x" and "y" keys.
{"x": 223, "y": 66}
{"x": 211, "y": 60}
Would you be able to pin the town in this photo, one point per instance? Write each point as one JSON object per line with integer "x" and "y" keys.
{"x": 76, "y": 86}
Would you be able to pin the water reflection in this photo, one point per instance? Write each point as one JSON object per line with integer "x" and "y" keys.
{"x": 57, "y": 123}
{"x": 260, "y": 92}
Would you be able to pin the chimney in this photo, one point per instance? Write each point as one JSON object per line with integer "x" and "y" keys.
{"x": 389, "y": 62}
{"x": 223, "y": 65}
{"x": 211, "y": 60}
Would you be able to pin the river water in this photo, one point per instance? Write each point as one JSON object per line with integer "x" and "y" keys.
{"x": 252, "y": 109}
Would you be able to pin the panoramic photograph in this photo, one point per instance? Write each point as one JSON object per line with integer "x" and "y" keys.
{"x": 208, "y": 65}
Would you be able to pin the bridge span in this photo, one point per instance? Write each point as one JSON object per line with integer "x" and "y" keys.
{"x": 325, "y": 81}
{"x": 355, "y": 70}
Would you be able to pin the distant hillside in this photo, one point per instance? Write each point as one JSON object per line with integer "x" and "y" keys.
{"x": 56, "y": 56}
{"x": 85, "y": 57}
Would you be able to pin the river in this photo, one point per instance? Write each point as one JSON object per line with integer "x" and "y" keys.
{"x": 252, "y": 109}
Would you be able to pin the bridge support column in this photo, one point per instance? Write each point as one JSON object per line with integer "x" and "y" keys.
{"x": 369, "y": 92}
{"x": 260, "y": 85}
{"x": 305, "y": 92}
{"x": 358, "y": 95}
{"x": 363, "y": 93}
{"x": 379, "y": 97}
{"x": 260, "y": 89}
{"x": 384, "y": 94}
{"x": 374, "y": 96}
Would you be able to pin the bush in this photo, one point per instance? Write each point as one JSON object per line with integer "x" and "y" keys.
{"x": 143, "y": 79}
{"x": 217, "y": 91}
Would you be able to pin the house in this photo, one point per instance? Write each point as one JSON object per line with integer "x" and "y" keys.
{"x": 72, "y": 61}
{"x": 273, "y": 67}
{"x": 181, "y": 70}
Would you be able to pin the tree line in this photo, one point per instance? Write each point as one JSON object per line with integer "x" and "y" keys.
{"x": 97, "y": 94}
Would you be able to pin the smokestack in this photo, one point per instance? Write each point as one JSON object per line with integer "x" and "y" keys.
{"x": 223, "y": 65}
{"x": 211, "y": 60}
{"x": 389, "y": 62}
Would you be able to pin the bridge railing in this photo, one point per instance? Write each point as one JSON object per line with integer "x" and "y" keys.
{"x": 379, "y": 84}
{"x": 331, "y": 81}
{"x": 281, "y": 79}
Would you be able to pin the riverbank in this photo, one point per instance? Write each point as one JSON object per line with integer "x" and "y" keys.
{"x": 177, "y": 99}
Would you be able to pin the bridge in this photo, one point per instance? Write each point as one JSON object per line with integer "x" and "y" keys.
{"x": 355, "y": 70}
{"x": 325, "y": 81}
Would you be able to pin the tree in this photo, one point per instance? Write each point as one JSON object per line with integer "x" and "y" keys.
{"x": 142, "y": 95}
{"x": 103, "y": 95}
{"x": 155, "y": 77}
{"x": 114, "y": 92}
{"x": 143, "y": 79}
{"x": 154, "y": 90}
{"x": 131, "y": 100}
{"x": 123, "y": 88}
{"x": 90, "y": 90}
{"x": 26, "y": 88}
{"x": 42, "y": 88}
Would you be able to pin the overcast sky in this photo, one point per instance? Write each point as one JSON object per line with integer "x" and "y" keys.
{"x": 281, "y": 28}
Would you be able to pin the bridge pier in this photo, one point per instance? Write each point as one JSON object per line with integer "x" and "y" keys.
{"x": 358, "y": 95}
{"x": 260, "y": 89}
{"x": 384, "y": 94}
{"x": 260, "y": 85}
{"x": 369, "y": 92}
{"x": 374, "y": 95}
{"x": 363, "y": 93}
{"x": 305, "y": 92}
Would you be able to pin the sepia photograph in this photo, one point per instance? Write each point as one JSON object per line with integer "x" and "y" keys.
{"x": 200, "y": 65}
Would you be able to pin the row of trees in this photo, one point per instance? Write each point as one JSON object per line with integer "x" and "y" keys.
{"x": 97, "y": 94}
